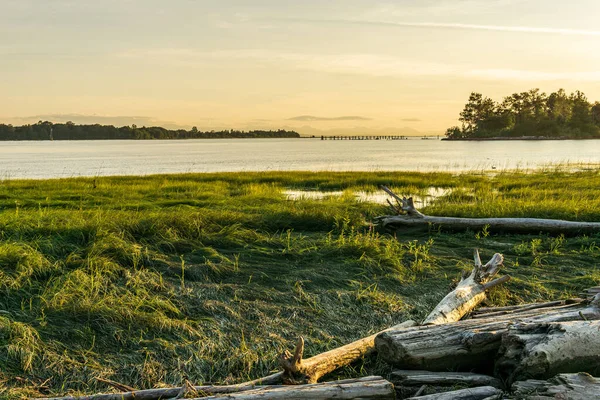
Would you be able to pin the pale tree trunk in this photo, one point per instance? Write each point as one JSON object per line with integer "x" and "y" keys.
{"x": 541, "y": 350}
{"x": 469, "y": 292}
{"x": 364, "y": 388}
{"x": 411, "y": 217}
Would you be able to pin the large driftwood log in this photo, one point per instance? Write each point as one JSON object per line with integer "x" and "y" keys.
{"x": 469, "y": 292}
{"x": 161, "y": 393}
{"x": 409, "y": 382}
{"x": 476, "y": 393}
{"x": 363, "y": 388}
{"x": 373, "y": 387}
{"x": 541, "y": 350}
{"x": 463, "y": 299}
{"x": 411, "y": 217}
{"x": 468, "y": 344}
{"x": 298, "y": 370}
{"x": 580, "y": 386}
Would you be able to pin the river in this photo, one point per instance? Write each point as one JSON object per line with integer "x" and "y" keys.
{"x": 60, "y": 159}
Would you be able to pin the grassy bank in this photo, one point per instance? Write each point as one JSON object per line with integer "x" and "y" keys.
{"x": 208, "y": 277}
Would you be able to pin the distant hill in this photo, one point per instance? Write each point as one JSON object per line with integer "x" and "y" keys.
{"x": 45, "y": 130}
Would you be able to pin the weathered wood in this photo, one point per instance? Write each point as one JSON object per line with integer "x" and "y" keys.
{"x": 468, "y": 344}
{"x": 411, "y": 217}
{"x": 418, "y": 378}
{"x": 463, "y": 299}
{"x": 469, "y": 292}
{"x": 363, "y": 388}
{"x": 476, "y": 393}
{"x": 158, "y": 394}
{"x": 410, "y": 383}
{"x": 298, "y": 370}
{"x": 580, "y": 386}
{"x": 489, "y": 312}
{"x": 541, "y": 350}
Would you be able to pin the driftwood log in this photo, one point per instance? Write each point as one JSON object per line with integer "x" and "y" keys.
{"x": 162, "y": 393}
{"x": 580, "y": 386}
{"x": 463, "y": 299}
{"x": 373, "y": 387}
{"x": 468, "y": 344}
{"x": 408, "y": 383}
{"x": 541, "y": 350}
{"x": 297, "y": 370}
{"x": 409, "y": 216}
{"x": 476, "y": 393}
{"x": 469, "y": 292}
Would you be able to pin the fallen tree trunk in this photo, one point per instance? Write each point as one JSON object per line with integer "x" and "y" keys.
{"x": 409, "y": 382}
{"x": 373, "y": 387}
{"x": 469, "y": 292}
{"x": 477, "y": 393}
{"x": 158, "y": 394}
{"x": 580, "y": 386}
{"x": 411, "y": 217}
{"x": 541, "y": 350}
{"x": 469, "y": 344}
{"x": 463, "y": 299}
{"x": 298, "y": 370}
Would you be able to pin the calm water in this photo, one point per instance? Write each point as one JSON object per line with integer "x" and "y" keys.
{"x": 125, "y": 157}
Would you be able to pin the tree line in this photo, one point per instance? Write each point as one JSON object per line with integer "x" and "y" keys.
{"x": 532, "y": 113}
{"x": 45, "y": 130}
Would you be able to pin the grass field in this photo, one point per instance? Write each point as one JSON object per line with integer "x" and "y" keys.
{"x": 149, "y": 281}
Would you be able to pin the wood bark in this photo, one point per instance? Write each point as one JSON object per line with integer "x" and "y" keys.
{"x": 373, "y": 387}
{"x": 490, "y": 312}
{"x": 469, "y": 292}
{"x": 408, "y": 382}
{"x": 468, "y": 344}
{"x": 580, "y": 386}
{"x": 541, "y": 350}
{"x": 363, "y": 388}
{"x": 298, "y": 370}
{"x": 476, "y": 393}
{"x": 411, "y": 217}
{"x": 418, "y": 378}
{"x": 158, "y": 394}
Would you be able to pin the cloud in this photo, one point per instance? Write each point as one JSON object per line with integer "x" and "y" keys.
{"x": 96, "y": 119}
{"x": 448, "y": 25}
{"x": 411, "y": 119}
{"x": 312, "y": 118}
{"x": 377, "y": 65}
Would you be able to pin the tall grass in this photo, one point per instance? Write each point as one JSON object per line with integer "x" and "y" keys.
{"x": 208, "y": 277}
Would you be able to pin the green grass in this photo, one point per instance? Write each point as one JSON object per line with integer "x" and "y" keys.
{"x": 153, "y": 280}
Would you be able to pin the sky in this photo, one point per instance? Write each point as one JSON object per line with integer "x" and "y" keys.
{"x": 314, "y": 66}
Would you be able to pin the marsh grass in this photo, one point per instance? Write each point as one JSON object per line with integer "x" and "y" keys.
{"x": 208, "y": 277}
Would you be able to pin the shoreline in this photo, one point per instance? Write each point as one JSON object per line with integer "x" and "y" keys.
{"x": 487, "y": 139}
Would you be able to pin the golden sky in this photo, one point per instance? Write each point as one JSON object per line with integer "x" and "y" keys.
{"x": 393, "y": 66}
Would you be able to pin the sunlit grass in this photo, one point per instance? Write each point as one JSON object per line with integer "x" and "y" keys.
{"x": 208, "y": 277}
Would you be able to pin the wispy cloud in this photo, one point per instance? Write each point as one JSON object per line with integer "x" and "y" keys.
{"x": 312, "y": 118}
{"x": 378, "y": 65}
{"x": 411, "y": 119}
{"x": 445, "y": 25}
